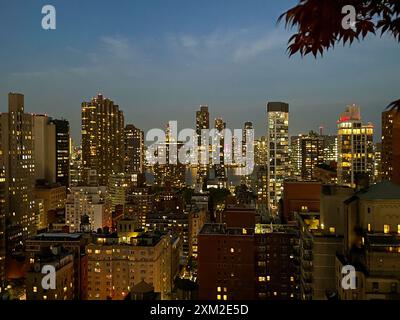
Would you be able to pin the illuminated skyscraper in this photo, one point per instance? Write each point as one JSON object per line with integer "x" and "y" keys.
{"x": 355, "y": 147}
{"x": 134, "y": 150}
{"x": 202, "y": 122}
{"x": 52, "y": 149}
{"x": 171, "y": 172}
{"x": 378, "y": 162}
{"x": 391, "y": 145}
{"x": 278, "y": 140}
{"x": 220, "y": 126}
{"x": 295, "y": 155}
{"x": 261, "y": 151}
{"x": 102, "y": 137}
{"x": 17, "y": 150}
{"x": 248, "y": 152}
{"x": 2, "y": 221}
{"x": 312, "y": 154}
{"x": 62, "y": 150}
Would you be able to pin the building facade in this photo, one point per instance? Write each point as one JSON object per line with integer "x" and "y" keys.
{"x": 278, "y": 140}
{"x": 17, "y": 135}
{"x": 355, "y": 147}
{"x": 102, "y": 137}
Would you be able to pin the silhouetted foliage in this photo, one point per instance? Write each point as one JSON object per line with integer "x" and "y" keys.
{"x": 319, "y": 24}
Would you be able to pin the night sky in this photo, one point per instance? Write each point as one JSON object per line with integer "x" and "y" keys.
{"x": 159, "y": 60}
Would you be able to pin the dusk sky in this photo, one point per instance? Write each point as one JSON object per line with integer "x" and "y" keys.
{"x": 159, "y": 60}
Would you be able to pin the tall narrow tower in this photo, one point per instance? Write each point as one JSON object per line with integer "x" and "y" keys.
{"x": 355, "y": 147}
{"x": 17, "y": 150}
{"x": 278, "y": 141}
{"x": 102, "y": 137}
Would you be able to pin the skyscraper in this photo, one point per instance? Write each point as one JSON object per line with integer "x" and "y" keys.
{"x": 51, "y": 149}
{"x": 62, "y": 150}
{"x": 102, "y": 137}
{"x": 391, "y": 145}
{"x": 312, "y": 154}
{"x": 355, "y": 147}
{"x": 220, "y": 126}
{"x": 278, "y": 139}
{"x": 17, "y": 149}
{"x": 134, "y": 150}
{"x": 2, "y": 220}
{"x": 202, "y": 122}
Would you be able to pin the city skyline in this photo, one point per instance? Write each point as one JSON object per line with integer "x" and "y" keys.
{"x": 160, "y": 62}
{"x": 183, "y": 151}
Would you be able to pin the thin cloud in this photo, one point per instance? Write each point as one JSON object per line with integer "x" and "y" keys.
{"x": 228, "y": 46}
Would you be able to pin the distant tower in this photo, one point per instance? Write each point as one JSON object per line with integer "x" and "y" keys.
{"x": 355, "y": 147}
{"x": 391, "y": 145}
{"x": 102, "y": 137}
{"x": 17, "y": 152}
{"x": 278, "y": 139}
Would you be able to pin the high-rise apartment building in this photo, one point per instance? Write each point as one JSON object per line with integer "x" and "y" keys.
{"x": 378, "y": 162}
{"x": 92, "y": 202}
{"x": 2, "y": 223}
{"x": 134, "y": 150}
{"x": 75, "y": 244}
{"x": 52, "y": 197}
{"x": 202, "y": 122}
{"x": 62, "y": 149}
{"x": 295, "y": 156}
{"x": 312, "y": 154}
{"x": 52, "y": 149}
{"x": 17, "y": 150}
{"x": 278, "y": 140}
{"x": 391, "y": 145}
{"x": 226, "y": 263}
{"x": 355, "y": 147}
{"x": 330, "y": 148}
{"x": 102, "y": 137}
{"x": 63, "y": 262}
{"x": 220, "y": 126}
{"x": 114, "y": 267}
{"x": 276, "y": 259}
{"x": 261, "y": 151}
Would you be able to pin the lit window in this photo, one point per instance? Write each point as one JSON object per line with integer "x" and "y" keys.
{"x": 44, "y": 297}
{"x": 232, "y": 250}
{"x": 369, "y": 227}
{"x": 261, "y": 279}
{"x": 386, "y": 228}
{"x": 34, "y": 289}
{"x": 219, "y": 297}
{"x": 398, "y": 228}
{"x": 332, "y": 230}
{"x": 219, "y": 289}
{"x": 268, "y": 278}
{"x": 292, "y": 279}
{"x": 225, "y": 297}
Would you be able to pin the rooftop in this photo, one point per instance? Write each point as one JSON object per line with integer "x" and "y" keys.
{"x": 57, "y": 236}
{"x": 221, "y": 229}
{"x": 385, "y": 190}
